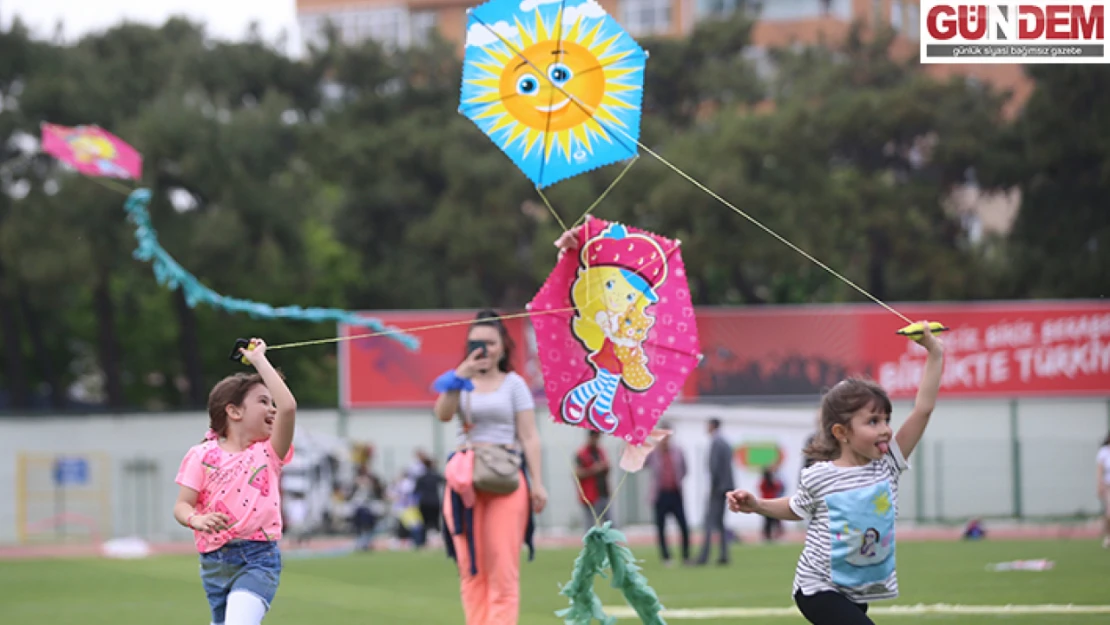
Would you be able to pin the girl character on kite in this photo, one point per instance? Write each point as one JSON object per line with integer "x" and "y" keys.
{"x": 617, "y": 276}
{"x": 88, "y": 147}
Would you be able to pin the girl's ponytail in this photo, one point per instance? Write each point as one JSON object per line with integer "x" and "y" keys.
{"x": 822, "y": 447}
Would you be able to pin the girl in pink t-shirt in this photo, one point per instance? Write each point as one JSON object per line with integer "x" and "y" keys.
{"x": 229, "y": 492}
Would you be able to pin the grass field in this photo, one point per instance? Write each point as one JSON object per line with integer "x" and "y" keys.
{"x": 404, "y": 587}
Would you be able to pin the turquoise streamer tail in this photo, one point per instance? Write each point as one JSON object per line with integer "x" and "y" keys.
{"x": 605, "y": 548}
{"x": 170, "y": 273}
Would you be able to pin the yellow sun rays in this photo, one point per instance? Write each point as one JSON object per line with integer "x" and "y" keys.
{"x": 609, "y": 51}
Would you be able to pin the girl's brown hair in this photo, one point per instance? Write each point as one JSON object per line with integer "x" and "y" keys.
{"x": 837, "y": 407}
{"x": 230, "y": 391}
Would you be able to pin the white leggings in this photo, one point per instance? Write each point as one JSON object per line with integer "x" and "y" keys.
{"x": 243, "y": 608}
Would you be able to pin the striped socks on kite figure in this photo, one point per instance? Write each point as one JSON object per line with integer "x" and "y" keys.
{"x": 596, "y": 398}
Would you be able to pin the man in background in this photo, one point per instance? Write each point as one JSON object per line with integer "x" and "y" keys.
{"x": 720, "y": 483}
{"x": 668, "y": 468}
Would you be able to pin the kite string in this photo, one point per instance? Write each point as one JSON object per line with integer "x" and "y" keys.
{"x": 593, "y": 511}
{"x": 592, "y": 113}
{"x": 434, "y": 326}
{"x": 449, "y": 324}
{"x": 113, "y": 185}
{"x": 604, "y": 193}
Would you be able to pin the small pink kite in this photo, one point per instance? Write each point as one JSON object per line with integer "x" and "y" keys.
{"x": 92, "y": 151}
{"x": 616, "y": 334}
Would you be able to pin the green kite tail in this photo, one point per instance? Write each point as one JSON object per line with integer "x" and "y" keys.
{"x": 604, "y": 548}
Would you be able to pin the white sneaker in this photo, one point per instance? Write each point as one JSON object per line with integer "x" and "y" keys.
{"x": 1106, "y": 543}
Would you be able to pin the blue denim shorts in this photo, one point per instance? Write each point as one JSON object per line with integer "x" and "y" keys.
{"x": 248, "y": 565}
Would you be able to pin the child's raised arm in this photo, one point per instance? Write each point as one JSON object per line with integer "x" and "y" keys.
{"x": 282, "y": 438}
{"x": 910, "y": 433}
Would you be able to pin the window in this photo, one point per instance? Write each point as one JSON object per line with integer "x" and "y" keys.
{"x": 646, "y": 17}
{"x": 312, "y": 29}
{"x": 912, "y": 20}
{"x": 422, "y": 23}
{"x": 904, "y": 17}
{"x": 388, "y": 26}
{"x": 717, "y": 8}
{"x": 805, "y": 9}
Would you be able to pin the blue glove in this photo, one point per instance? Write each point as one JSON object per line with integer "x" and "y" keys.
{"x": 449, "y": 381}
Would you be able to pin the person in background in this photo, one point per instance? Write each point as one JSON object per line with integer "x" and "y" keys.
{"x": 366, "y": 500}
{"x": 668, "y": 468}
{"x": 771, "y": 487}
{"x": 429, "y": 494}
{"x": 1103, "y": 481}
{"x": 808, "y": 461}
{"x": 720, "y": 483}
{"x": 591, "y": 466}
{"x": 484, "y": 536}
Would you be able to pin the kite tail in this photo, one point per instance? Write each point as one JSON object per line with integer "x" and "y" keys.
{"x": 633, "y": 585}
{"x": 585, "y": 606}
{"x": 170, "y": 273}
{"x": 604, "y": 546}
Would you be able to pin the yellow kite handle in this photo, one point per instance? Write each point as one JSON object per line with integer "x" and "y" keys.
{"x": 236, "y": 356}
{"x": 915, "y": 331}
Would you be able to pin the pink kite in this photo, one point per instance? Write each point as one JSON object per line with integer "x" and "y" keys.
{"x": 616, "y": 334}
{"x": 92, "y": 151}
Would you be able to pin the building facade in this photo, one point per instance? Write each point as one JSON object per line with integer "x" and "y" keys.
{"x": 402, "y": 23}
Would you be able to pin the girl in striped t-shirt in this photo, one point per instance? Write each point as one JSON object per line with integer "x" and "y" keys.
{"x": 850, "y": 497}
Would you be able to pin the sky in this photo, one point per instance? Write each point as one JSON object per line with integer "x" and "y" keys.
{"x": 225, "y": 19}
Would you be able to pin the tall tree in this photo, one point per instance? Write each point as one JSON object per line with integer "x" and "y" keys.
{"x": 1060, "y": 243}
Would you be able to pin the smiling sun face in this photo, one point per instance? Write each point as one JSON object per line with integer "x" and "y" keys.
{"x": 556, "y": 84}
{"x": 573, "y": 88}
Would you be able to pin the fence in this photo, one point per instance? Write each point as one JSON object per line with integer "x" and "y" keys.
{"x": 76, "y": 478}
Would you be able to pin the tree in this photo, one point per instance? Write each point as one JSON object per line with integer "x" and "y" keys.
{"x": 1060, "y": 242}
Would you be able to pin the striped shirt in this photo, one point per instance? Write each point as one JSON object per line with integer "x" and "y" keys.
{"x": 851, "y": 511}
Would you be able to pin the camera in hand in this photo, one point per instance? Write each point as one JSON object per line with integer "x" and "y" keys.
{"x": 473, "y": 345}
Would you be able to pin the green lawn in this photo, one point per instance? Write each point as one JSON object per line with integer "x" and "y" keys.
{"x": 401, "y": 587}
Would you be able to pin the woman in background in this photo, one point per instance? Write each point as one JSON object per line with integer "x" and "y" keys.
{"x": 484, "y": 535}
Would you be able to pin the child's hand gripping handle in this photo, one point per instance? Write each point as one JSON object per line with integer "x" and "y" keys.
{"x": 916, "y": 331}
{"x": 236, "y": 355}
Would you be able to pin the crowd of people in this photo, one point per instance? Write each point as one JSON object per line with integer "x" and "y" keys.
{"x": 405, "y": 511}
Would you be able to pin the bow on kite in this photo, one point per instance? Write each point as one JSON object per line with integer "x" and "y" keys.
{"x": 550, "y": 82}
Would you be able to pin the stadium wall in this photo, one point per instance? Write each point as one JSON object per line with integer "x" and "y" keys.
{"x": 1021, "y": 458}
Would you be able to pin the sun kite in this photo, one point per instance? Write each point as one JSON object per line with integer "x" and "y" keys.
{"x": 541, "y": 86}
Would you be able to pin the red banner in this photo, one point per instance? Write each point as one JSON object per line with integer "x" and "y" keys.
{"x": 1009, "y": 350}
{"x": 380, "y": 372}
{"x": 1005, "y": 349}
{"x": 992, "y": 350}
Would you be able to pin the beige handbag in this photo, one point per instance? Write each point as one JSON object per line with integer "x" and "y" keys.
{"x": 496, "y": 467}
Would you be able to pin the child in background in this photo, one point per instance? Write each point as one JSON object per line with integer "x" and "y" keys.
{"x": 769, "y": 488}
{"x": 229, "y": 492}
{"x": 850, "y": 496}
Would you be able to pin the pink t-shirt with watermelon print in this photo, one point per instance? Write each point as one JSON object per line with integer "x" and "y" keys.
{"x": 243, "y": 485}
